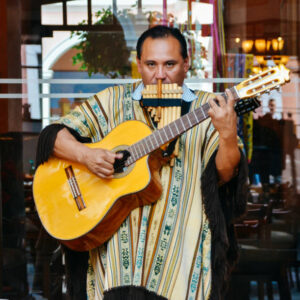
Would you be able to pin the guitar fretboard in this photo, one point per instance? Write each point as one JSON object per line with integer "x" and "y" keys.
{"x": 162, "y": 136}
{"x": 166, "y": 134}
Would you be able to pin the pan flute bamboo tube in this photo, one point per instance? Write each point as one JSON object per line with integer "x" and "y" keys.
{"x": 159, "y": 96}
{"x": 164, "y": 115}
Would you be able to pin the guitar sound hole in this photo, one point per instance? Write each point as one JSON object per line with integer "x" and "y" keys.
{"x": 119, "y": 164}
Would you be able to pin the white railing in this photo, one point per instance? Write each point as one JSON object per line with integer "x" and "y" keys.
{"x": 44, "y": 85}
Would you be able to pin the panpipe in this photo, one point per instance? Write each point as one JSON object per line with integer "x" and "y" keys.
{"x": 163, "y": 103}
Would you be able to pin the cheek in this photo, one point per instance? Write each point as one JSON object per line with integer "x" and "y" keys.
{"x": 147, "y": 76}
{"x": 149, "y": 73}
{"x": 176, "y": 73}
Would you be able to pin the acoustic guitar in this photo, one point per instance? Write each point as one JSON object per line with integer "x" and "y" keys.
{"x": 83, "y": 211}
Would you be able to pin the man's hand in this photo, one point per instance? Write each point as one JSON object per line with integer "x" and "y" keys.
{"x": 223, "y": 116}
{"x": 100, "y": 161}
{"x": 224, "y": 119}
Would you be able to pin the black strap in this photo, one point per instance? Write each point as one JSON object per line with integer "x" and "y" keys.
{"x": 163, "y": 102}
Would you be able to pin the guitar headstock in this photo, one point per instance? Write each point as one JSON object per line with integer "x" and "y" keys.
{"x": 246, "y": 105}
{"x": 263, "y": 82}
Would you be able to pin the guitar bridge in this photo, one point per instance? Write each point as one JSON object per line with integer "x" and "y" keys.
{"x": 74, "y": 187}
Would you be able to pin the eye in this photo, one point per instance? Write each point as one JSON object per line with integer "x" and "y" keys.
{"x": 150, "y": 64}
{"x": 170, "y": 64}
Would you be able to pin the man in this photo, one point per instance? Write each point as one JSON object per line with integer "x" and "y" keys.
{"x": 268, "y": 160}
{"x": 182, "y": 246}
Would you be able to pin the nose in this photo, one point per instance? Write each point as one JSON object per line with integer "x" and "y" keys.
{"x": 160, "y": 72}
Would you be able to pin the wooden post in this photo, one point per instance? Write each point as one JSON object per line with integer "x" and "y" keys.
{"x": 10, "y": 64}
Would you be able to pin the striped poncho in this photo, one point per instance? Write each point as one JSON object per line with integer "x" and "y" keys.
{"x": 165, "y": 248}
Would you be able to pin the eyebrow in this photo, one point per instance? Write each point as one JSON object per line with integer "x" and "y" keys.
{"x": 167, "y": 61}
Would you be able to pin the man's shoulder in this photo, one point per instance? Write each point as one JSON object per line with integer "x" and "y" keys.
{"x": 118, "y": 88}
{"x": 201, "y": 92}
{"x": 203, "y": 96}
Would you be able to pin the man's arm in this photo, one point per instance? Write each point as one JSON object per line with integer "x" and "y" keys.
{"x": 224, "y": 120}
{"x": 97, "y": 160}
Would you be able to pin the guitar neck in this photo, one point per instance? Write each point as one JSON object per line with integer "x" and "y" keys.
{"x": 166, "y": 134}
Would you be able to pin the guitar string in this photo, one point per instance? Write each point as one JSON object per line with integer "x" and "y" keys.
{"x": 175, "y": 129}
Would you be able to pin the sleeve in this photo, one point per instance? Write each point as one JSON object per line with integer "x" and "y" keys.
{"x": 91, "y": 118}
{"x": 87, "y": 122}
{"x": 232, "y": 196}
{"x": 222, "y": 205}
{"x": 47, "y": 139}
{"x": 77, "y": 120}
{"x": 209, "y": 135}
{"x": 94, "y": 118}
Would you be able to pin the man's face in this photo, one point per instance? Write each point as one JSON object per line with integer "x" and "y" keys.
{"x": 161, "y": 59}
{"x": 272, "y": 106}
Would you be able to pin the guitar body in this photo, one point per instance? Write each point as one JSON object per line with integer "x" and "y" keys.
{"x": 107, "y": 201}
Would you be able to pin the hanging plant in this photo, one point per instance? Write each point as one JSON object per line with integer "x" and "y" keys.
{"x": 103, "y": 52}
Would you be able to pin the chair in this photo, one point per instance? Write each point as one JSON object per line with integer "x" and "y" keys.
{"x": 259, "y": 260}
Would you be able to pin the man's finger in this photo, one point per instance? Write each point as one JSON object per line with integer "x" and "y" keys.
{"x": 230, "y": 98}
{"x": 105, "y": 176}
{"x": 106, "y": 172}
{"x": 221, "y": 101}
{"x": 213, "y": 104}
{"x": 107, "y": 165}
{"x": 109, "y": 156}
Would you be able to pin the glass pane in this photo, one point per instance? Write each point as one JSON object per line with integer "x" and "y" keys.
{"x": 31, "y": 65}
{"x": 77, "y": 12}
{"x": 52, "y": 14}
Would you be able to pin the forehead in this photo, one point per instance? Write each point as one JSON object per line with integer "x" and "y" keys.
{"x": 161, "y": 48}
